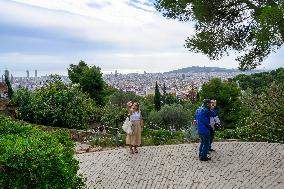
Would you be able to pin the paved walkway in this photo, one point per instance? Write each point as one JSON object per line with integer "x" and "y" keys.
{"x": 233, "y": 165}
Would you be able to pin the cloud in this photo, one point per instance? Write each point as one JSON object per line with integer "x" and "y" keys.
{"x": 113, "y": 34}
{"x": 114, "y": 22}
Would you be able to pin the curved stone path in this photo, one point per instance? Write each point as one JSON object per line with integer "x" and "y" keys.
{"x": 233, "y": 165}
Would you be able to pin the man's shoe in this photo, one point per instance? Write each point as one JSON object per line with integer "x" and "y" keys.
{"x": 208, "y": 158}
{"x": 205, "y": 159}
{"x": 211, "y": 150}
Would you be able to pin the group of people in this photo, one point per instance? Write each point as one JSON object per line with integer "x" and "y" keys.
{"x": 206, "y": 119}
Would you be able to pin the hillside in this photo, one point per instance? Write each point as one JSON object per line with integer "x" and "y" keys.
{"x": 202, "y": 69}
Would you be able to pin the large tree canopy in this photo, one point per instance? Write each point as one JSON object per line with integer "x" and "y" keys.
{"x": 90, "y": 80}
{"x": 253, "y": 28}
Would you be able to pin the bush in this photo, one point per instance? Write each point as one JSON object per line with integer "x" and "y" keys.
{"x": 226, "y": 134}
{"x": 55, "y": 105}
{"x": 264, "y": 113}
{"x": 32, "y": 158}
{"x": 149, "y": 138}
{"x": 171, "y": 117}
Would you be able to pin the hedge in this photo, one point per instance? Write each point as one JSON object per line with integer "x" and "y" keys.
{"x": 32, "y": 158}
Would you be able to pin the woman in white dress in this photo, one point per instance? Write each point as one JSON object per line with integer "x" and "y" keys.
{"x": 134, "y": 140}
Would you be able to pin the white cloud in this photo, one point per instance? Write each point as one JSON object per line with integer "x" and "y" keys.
{"x": 139, "y": 38}
{"x": 118, "y": 23}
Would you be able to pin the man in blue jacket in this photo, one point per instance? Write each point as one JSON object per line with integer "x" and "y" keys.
{"x": 202, "y": 118}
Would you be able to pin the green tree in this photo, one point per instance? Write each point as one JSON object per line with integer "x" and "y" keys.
{"x": 258, "y": 82}
{"x": 120, "y": 98}
{"x": 157, "y": 98}
{"x": 227, "y": 95}
{"x": 10, "y": 90}
{"x": 90, "y": 80}
{"x": 253, "y": 28}
{"x": 169, "y": 99}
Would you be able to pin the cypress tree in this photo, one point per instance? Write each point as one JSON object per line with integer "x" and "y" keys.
{"x": 157, "y": 97}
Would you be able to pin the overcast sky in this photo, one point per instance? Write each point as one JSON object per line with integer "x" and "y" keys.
{"x": 123, "y": 35}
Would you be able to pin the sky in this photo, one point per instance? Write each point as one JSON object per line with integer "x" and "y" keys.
{"x": 125, "y": 35}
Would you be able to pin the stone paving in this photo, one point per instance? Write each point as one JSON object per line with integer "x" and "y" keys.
{"x": 233, "y": 165}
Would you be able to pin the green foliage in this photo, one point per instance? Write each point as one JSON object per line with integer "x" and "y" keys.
{"x": 157, "y": 98}
{"x": 227, "y": 95}
{"x": 115, "y": 111}
{"x": 171, "y": 117}
{"x": 161, "y": 137}
{"x": 169, "y": 99}
{"x": 148, "y": 101}
{"x": 263, "y": 115}
{"x": 113, "y": 116}
{"x": 252, "y": 28}
{"x": 109, "y": 140}
{"x": 10, "y": 90}
{"x": 258, "y": 82}
{"x": 55, "y": 105}
{"x": 226, "y": 134}
{"x": 32, "y": 158}
{"x": 120, "y": 98}
{"x": 90, "y": 80}
{"x": 149, "y": 138}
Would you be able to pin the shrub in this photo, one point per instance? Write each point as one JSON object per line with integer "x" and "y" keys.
{"x": 264, "y": 115}
{"x": 55, "y": 105}
{"x": 171, "y": 117}
{"x": 32, "y": 158}
{"x": 226, "y": 134}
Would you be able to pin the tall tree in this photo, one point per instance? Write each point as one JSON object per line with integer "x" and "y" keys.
{"x": 90, "y": 80}
{"x": 254, "y": 28}
{"x": 227, "y": 95}
{"x": 157, "y": 97}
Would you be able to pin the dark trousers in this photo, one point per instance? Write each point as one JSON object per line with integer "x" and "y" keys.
{"x": 212, "y": 133}
{"x": 204, "y": 145}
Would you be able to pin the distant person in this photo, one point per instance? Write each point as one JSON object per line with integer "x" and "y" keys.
{"x": 134, "y": 140}
{"x": 214, "y": 122}
{"x": 202, "y": 118}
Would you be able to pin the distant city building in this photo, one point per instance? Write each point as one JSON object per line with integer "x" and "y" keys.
{"x": 184, "y": 86}
{"x": 115, "y": 73}
{"x": 7, "y": 73}
{"x": 35, "y": 73}
{"x": 11, "y": 78}
{"x": 28, "y": 74}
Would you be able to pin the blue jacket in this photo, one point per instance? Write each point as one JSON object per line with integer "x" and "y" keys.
{"x": 202, "y": 117}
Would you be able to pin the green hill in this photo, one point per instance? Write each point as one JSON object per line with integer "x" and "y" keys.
{"x": 202, "y": 69}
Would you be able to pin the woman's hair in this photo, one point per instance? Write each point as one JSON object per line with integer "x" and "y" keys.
{"x": 138, "y": 106}
{"x": 129, "y": 104}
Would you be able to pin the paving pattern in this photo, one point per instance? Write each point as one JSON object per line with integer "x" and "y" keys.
{"x": 233, "y": 165}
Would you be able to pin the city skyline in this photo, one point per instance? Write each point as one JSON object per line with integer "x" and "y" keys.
{"x": 124, "y": 35}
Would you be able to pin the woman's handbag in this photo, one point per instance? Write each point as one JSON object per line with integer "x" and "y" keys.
{"x": 127, "y": 126}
